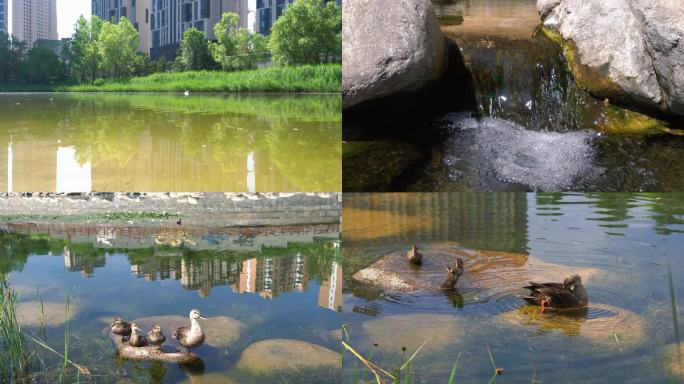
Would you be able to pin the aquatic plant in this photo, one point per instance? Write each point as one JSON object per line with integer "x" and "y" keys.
{"x": 14, "y": 361}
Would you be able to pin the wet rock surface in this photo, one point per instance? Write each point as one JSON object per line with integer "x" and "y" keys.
{"x": 490, "y": 270}
{"x": 389, "y": 47}
{"x": 284, "y": 355}
{"x": 626, "y": 50}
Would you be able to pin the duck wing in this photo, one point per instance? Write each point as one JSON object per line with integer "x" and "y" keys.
{"x": 554, "y": 294}
{"x": 180, "y": 333}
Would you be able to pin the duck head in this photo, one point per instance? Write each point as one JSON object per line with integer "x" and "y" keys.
{"x": 574, "y": 284}
{"x": 459, "y": 266}
{"x": 156, "y": 329}
{"x": 117, "y": 321}
{"x": 195, "y": 314}
{"x": 135, "y": 328}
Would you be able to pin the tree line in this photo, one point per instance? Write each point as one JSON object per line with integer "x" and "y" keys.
{"x": 308, "y": 32}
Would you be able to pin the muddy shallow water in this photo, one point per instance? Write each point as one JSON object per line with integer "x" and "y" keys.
{"x": 75, "y": 142}
{"x": 272, "y": 292}
{"x": 626, "y": 247}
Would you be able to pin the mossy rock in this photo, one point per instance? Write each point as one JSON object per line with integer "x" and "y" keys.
{"x": 374, "y": 165}
{"x": 287, "y": 356}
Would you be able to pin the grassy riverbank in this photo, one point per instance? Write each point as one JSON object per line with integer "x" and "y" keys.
{"x": 307, "y": 78}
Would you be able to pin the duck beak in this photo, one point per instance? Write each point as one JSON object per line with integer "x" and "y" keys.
{"x": 202, "y": 317}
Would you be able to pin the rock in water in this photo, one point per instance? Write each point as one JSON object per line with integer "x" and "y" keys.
{"x": 291, "y": 356}
{"x": 626, "y": 50}
{"x": 389, "y": 47}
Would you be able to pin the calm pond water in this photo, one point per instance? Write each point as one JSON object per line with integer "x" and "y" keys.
{"x": 270, "y": 283}
{"x": 627, "y": 248}
{"x": 163, "y": 142}
{"x": 508, "y": 117}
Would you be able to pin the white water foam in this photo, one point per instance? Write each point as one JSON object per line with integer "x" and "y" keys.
{"x": 540, "y": 160}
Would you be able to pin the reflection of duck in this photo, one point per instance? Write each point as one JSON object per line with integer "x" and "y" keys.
{"x": 569, "y": 294}
{"x": 192, "y": 336}
{"x": 121, "y": 327}
{"x": 414, "y": 256}
{"x": 155, "y": 337}
{"x": 452, "y": 275}
{"x": 136, "y": 340}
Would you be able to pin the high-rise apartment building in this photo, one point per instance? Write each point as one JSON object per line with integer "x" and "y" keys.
{"x": 34, "y": 19}
{"x": 138, "y": 12}
{"x": 268, "y": 11}
{"x": 171, "y": 18}
{"x": 4, "y": 16}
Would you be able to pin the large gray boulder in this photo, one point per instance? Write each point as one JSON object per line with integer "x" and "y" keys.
{"x": 389, "y": 47}
{"x": 628, "y": 50}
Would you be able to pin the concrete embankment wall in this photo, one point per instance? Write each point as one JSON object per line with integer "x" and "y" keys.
{"x": 207, "y": 209}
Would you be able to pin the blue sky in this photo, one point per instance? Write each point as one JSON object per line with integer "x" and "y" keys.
{"x": 68, "y": 12}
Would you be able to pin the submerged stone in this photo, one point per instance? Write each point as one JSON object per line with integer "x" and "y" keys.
{"x": 603, "y": 325}
{"x": 221, "y": 331}
{"x": 374, "y": 165}
{"x": 491, "y": 270}
{"x": 268, "y": 357}
{"x": 674, "y": 359}
{"x": 31, "y": 314}
{"x": 394, "y": 332}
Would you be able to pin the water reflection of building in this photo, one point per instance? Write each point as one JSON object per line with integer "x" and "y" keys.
{"x": 150, "y": 163}
{"x": 477, "y": 220}
{"x": 85, "y": 263}
{"x": 271, "y": 276}
{"x": 330, "y": 292}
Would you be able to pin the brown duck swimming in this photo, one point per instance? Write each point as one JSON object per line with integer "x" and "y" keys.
{"x": 569, "y": 294}
{"x": 155, "y": 337}
{"x": 452, "y": 275}
{"x": 136, "y": 340}
{"x": 414, "y": 256}
{"x": 192, "y": 336}
{"x": 121, "y": 327}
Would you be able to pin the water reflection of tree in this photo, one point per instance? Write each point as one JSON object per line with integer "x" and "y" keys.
{"x": 668, "y": 212}
{"x": 613, "y": 208}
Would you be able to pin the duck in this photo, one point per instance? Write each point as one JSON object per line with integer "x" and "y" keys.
{"x": 452, "y": 275}
{"x": 192, "y": 336}
{"x": 136, "y": 340}
{"x": 155, "y": 337}
{"x": 187, "y": 92}
{"x": 414, "y": 256}
{"x": 121, "y": 327}
{"x": 569, "y": 294}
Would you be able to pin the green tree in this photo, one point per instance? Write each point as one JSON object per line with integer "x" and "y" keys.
{"x": 12, "y": 54}
{"x": 307, "y": 33}
{"x": 118, "y": 44}
{"x": 82, "y": 52}
{"x": 43, "y": 66}
{"x": 193, "y": 54}
{"x": 236, "y": 47}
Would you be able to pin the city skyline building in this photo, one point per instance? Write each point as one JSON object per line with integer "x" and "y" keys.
{"x": 138, "y": 12}
{"x": 4, "y": 10}
{"x": 171, "y": 18}
{"x": 34, "y": 19}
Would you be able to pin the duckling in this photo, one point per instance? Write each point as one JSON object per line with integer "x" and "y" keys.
{"x": 570, "y": 294}
{"x": 155, "y": 337}
{"x": 192, "y": 336}
{"x": 121, "y": 327}
{"x": 452, "y": 275}
{"x": 414, "y": 256}
{"x": 136, "y": 340}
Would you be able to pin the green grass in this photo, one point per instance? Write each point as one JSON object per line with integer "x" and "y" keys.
{"x": 14, "y": 360}
{"x": 307, "y": 78}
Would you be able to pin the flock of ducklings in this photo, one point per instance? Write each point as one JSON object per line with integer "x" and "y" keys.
{"x": 568, "y": 294}
{"x": 189, "y": 337}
